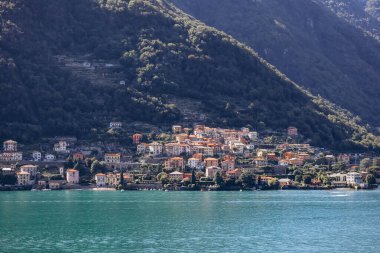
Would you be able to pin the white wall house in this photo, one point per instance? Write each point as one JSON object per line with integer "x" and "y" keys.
{"x": 61, "y": 147}
{"x": 354, "y": 178}
{"x": 101, "y": 180}
{"x": 116, "y": 124}
{"x": 49, "y": 157}
{"x": 31, "y": 169}
{"x": 155, "y": 148}
{"x": 10, "y": 146}
{"x": 37, "y": 156}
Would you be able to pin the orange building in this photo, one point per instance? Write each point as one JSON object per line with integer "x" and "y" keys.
{"x": 211, "y": 162}
{"x": 174, "y": 163}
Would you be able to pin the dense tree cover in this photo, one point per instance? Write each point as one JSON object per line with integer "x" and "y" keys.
{"x": 307, "y": 42}
{"x": 370, "y": 179}
{"x": 8, "y": 179}
{"x": 40, "y": 99}
{"x": 364, "y": 14}
{"x": 162, "y": 52}
{"x": 373, "y": 8}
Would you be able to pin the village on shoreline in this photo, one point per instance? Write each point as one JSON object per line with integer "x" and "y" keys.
{"x": 197, "y": 158}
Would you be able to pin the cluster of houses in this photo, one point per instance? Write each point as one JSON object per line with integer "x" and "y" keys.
{"x": 28, "y": 175}
{"x": 204, "y": 140}
{"x": 212, "y": 151}
{"x": 11, "y": 154}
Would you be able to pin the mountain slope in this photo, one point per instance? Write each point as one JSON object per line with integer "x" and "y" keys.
{"x": 307, "y": 42}
{"x": 363, "y": 14}
{"x": 159, "y": 52}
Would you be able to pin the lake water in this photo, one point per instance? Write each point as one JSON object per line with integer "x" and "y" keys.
{"x": 155, "y": 221}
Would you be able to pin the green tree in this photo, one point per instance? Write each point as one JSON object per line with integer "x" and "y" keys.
{"x": 306, "y": 179}
{"x": 376, "y": 161}
{"x": 97, "y": 167}
{"x": 163, "y": 177}
{"x": 247, "y": 180}
{"x": 80, "y": 167}
{"x": 122, "y": 182}
{"x": 8, "y": 180}
{"x": 370, "y": 179}
{"x": 193, "y": 177}
{"x": 199, "y": 175}
{"x": 218, "y": 179}
{"x": 69, "y": 163}
{"x": 274, "y": 183}
{"x": 56, "y": 177}
{"x": 365, "y": 163}
{"x": 326, "y": 180}
{"x": 298, "y": 178}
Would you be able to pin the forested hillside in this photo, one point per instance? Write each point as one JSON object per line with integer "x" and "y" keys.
{"x": 308, "y": 42}
{"x": 363, "y": 14}
{"x": 159, "y": 52}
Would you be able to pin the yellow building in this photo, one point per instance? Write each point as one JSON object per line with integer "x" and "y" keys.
{"x": 23, "y": 178}
{"x": 211, "y": 162}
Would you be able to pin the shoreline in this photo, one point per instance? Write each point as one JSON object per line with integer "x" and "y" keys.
{"x": 185, "y": 190}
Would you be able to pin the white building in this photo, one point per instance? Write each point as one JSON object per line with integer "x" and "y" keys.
{"x": 194, "y": 163}
{"x": 31, "y": 169}
{"x": 206, "y": 151}
{"x": 112, "y": 158}
{"x": 228, "y": 164}
{"x": 238, "y": 148}
{"x": 211, "y": 171}
{"x": 155, "y": 148}
{"x": 49, "y": 157}
{"x": 142, "y": 148}
{"x": 283, "y": 162}
{"x": 176, "y": 175}
{"x": 338, "y": 179}
{"x": 354, "y": 178}
{"x": 176, "y": 129}
{"x": 176, "y": 149}
{"x": 37, "y": 156}
{"x": 7, "y": 171}
{"x": 116, "y": 125}
{"x": 10, "y": 146}
{"x": 101, "y": 180}
{"x": 250, "y": 146}
{"x": 253, "y": 136}
{"x": 11, "y": 156}
{"x": 61, "y": 147}
{"x": 260, "y": 161}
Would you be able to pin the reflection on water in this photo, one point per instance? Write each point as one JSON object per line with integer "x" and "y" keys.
{"x": 265, "y": 221}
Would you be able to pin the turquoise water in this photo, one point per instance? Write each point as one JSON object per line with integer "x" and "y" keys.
{"x": 155, "y": 221}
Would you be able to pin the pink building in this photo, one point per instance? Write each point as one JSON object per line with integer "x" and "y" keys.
{"x": 136, "y": 138}
{"x": 72, "y": 176}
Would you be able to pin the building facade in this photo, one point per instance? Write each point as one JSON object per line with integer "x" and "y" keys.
{"x": 72, "y": 176}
